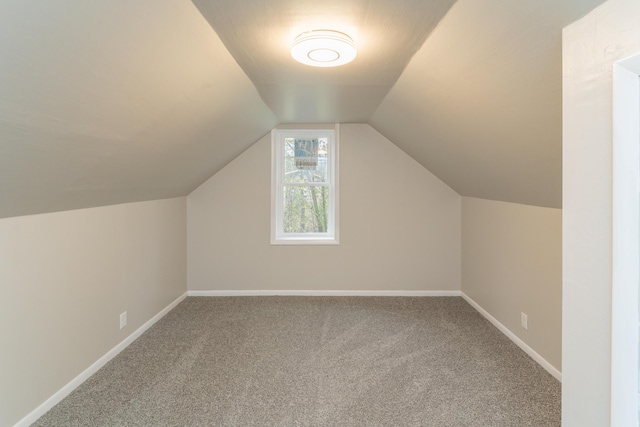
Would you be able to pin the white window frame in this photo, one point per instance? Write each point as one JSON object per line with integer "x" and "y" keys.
{"x": 278, "y": 236}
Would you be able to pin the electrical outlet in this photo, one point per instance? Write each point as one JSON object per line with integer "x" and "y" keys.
{"x": 123, "y": 320}
{"x": 524, "y": 321}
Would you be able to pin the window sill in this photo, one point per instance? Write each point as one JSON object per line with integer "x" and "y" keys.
{"x": 312, "y": 241}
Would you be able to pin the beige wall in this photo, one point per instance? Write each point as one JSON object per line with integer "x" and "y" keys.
{"x": 67, "y": 276}
{"x": 64, "y": 279}
{"x": 590, "y": 46}
{"x": 399, "y": 226}
{"x": 512, "y": 263}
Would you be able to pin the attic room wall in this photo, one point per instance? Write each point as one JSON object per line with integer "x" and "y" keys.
{"x": 590, "y": 47}
{"x": 65, "y": 279}
{"x": 512, "y": 263}
{"x": 399, "y": 226}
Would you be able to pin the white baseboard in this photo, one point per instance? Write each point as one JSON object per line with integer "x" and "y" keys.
{"x": 229, "y": 293}
{"x": 75, "y": 383}
{"x": 531, "y": 352}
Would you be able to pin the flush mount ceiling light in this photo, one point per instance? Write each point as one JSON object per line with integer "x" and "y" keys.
{"x": 323, "y": 48}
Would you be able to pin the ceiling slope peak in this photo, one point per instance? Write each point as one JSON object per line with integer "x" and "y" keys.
{"x": 259, "y": 34}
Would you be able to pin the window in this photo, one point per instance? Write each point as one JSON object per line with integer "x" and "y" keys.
{"x": 304, "y": 190}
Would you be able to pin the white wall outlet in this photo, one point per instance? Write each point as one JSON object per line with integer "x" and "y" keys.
{"x": 123, "y": 320}
{"x": 524, "y": 321}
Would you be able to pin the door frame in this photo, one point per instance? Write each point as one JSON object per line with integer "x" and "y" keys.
{"x": 625, "y": 340}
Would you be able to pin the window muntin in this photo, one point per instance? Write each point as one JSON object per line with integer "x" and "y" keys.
{"x": 304, "y": 187}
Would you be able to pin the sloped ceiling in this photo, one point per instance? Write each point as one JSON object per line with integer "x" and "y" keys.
{"x": 480, "y": 105}
{"x": 258, "y": 33}
{"x": 105, "y": 102}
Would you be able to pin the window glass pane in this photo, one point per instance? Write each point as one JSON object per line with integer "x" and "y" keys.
{"x": 305, "y": 209}
{"x": 305, "y": 160}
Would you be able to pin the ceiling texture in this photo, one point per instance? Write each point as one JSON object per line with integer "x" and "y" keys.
{"x": 107, "y": 102}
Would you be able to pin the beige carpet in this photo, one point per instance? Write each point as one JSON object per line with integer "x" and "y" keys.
{"x": 317, "y": 361}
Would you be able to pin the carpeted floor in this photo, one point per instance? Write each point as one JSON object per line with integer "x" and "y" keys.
{"x": 317, "y": 361}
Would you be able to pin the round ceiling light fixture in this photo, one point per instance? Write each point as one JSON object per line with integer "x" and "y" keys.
{"x": 323, "y": 48}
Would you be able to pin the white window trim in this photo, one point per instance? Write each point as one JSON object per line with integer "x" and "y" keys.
{"x": 278, "y": 237}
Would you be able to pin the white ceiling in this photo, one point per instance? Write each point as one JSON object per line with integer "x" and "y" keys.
{"x": 259, "y": 33}
{"x": 106, "y": 102}
{"x": 480, "y": 105}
